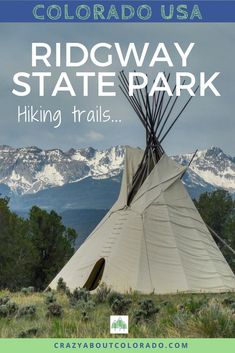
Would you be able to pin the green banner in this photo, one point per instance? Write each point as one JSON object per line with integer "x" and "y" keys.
{"x": 117, "y": 345}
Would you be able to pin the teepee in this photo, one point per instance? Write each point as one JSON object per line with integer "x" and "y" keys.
{"x": 153, "y": 239}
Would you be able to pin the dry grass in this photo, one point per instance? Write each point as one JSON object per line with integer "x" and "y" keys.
{"x": 181, "y": 315}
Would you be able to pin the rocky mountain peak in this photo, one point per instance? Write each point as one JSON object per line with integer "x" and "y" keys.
{"x": 31, "y": 169}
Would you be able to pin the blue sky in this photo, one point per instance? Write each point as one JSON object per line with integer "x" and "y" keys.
{"x": 208, "y": 120}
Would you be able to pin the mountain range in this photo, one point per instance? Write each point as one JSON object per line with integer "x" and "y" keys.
{"x": 82, "y": 184}
{"x": 30, "y": 170}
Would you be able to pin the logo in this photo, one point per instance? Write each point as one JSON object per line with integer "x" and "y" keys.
{"x": 118, "y": 324}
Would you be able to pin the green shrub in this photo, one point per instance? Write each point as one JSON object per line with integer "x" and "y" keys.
{"x": 31, "y": 289}
{"x": 27, "y": 290}
{"x": 232, "y": 305}
{"x": 146, "y": 311}
{"x": 4, "y": 300}
{"x": 31, "y": 332}
{"x": 12, "y": 308}
{"x": 28, "y": 310}
{"x": 180, "y": 319}
{"x": 229, "y": 300}
{"x": 54, "y": 310}
{"x": 102, "y": 293}
{"x": 3, "y": 310}
{"x": 82, "y": 294}
{"x": 8, "y": 309}
{"x": 79, "y": 294}
{"x": 214, "y": 320}
{"x": 67, "y": 292}
{"x": 112, "y": 296}
{"x": 50, "y": 298}
{"x": 121, "y": 306}
{"x": 61, "y": 285}
{"x": 85, "y": 308}
{"x": 118, "y": 303}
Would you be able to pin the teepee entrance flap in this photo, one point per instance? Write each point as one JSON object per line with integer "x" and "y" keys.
{"x": 165, "y": 173}
{"x": 133, "y": 157}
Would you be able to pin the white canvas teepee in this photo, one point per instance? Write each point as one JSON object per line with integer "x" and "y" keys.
{"x": 159, "y": 243}
{"x": 153, "y": 238}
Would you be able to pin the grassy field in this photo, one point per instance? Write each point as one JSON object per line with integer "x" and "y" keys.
{"x": 29, "y": 314}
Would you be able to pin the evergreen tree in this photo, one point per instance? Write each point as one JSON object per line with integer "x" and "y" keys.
{"x": 53, "y": 242}
{"x": 32, "y": 251}
{"x": 17, "y": 253}
{"x": 218, "y": 211}
{"x": 216, "y": 208}
{"x": 230, "y": 237}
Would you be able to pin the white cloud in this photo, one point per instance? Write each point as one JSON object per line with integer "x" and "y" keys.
{"x": 95, "y": 136}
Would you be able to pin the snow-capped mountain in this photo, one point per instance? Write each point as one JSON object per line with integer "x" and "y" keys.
{"x": 29, "y": 170}
{"x": 210, "y": 167}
